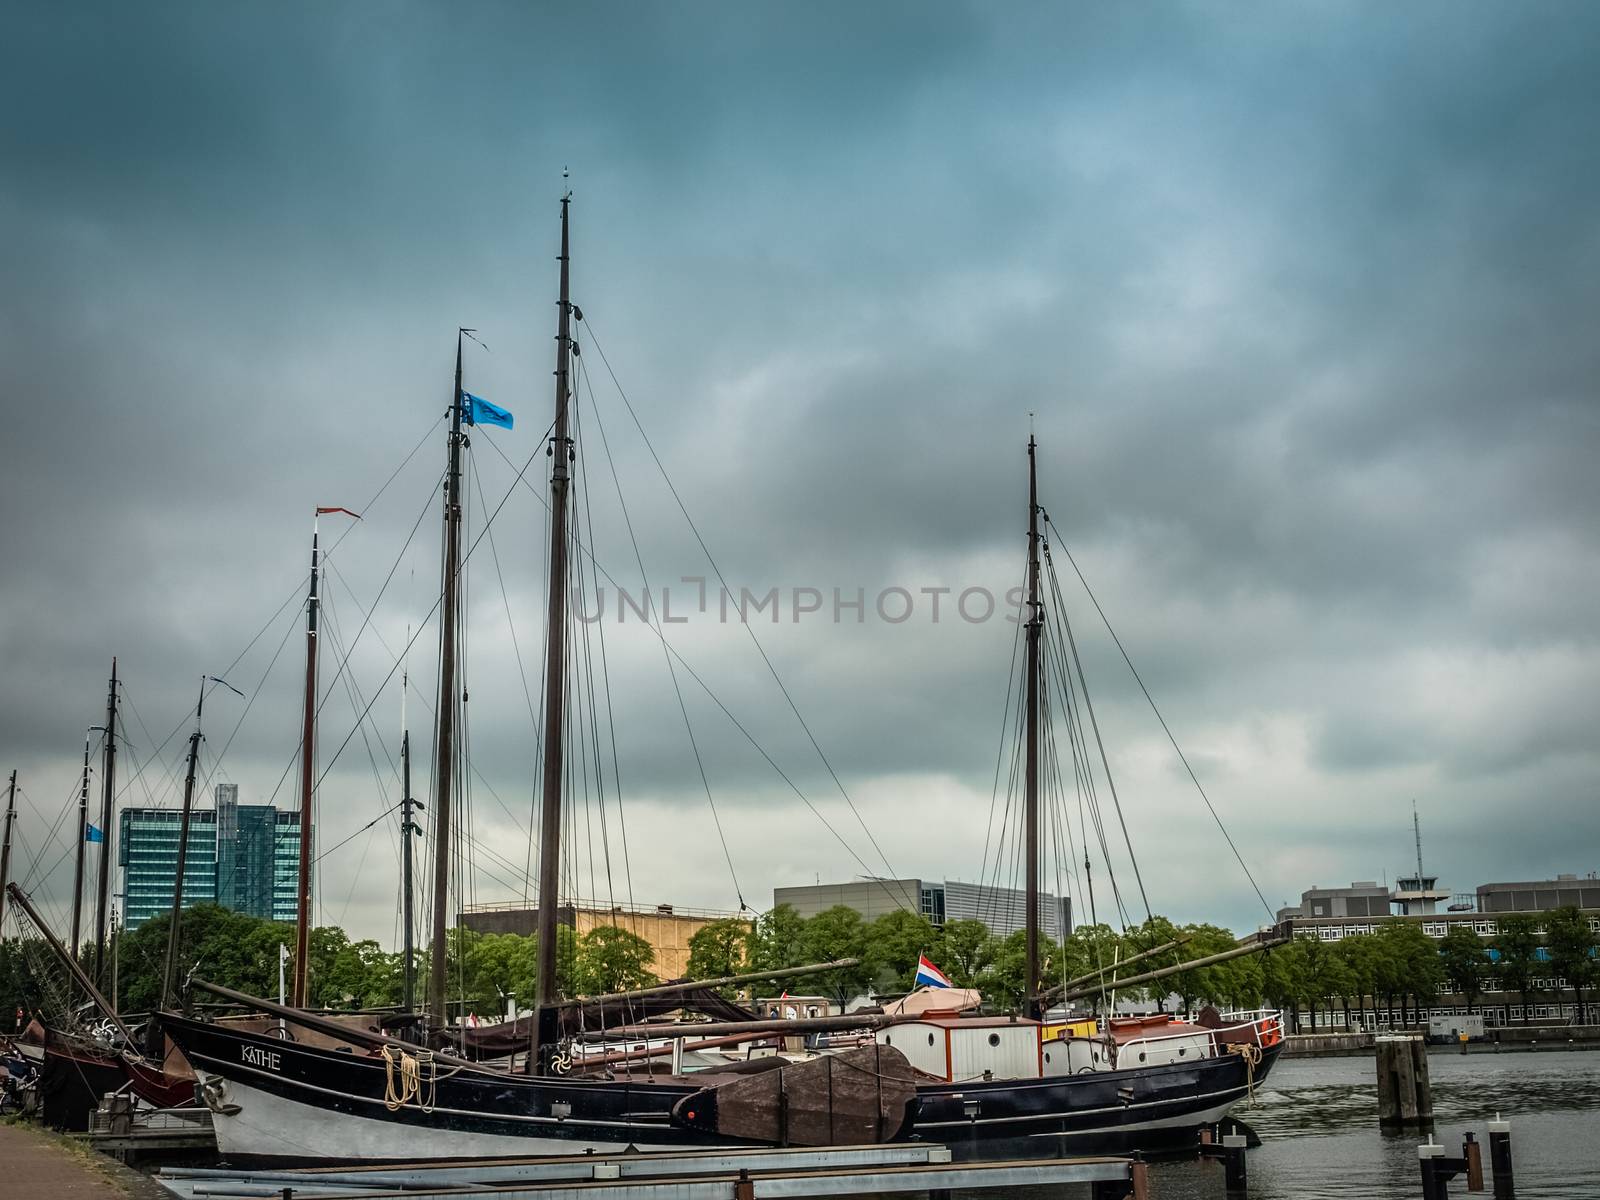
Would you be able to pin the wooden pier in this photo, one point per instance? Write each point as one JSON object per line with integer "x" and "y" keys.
{"x": 713, "y": 1175}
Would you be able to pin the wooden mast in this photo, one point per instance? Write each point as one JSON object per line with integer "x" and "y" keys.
{"x": 5, "y": 849}
{"x": 169, "y": 973}
{"x": 107, "y": 797}
{"x": 444, "y": 756}
{"x": 545, "y": 1026}
{"x": 83, "y": 833}
{"x": 308, "y": 767}
{"x": 1031, "y": 794}
{"x": 408, "y": 828}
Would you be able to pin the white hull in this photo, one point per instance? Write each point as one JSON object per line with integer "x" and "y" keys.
{"x": 269, "y": 1126}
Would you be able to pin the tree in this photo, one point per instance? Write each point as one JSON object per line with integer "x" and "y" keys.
{"x": 1389, "y": 968}
{"x": 1283, "y": 978}
{"x": 1572, "y": 946}
{"x": 1517, "y": 944}
{"x": 1420, "y": 971}
{"x": 1094, "y": 948}
{"x": 891, "y": 946}
{"x": 498, "y": 968}
{"x": 719, "y": 949}
{"x": 966, "y": 950}
{"x": 1360, "y": 953}
{"x": 776, "y": 941}
{"x": 832, "y": 934}
{"x": 612, "y": 960}
{"x": 1204, "y": 983}
{"x": 1465, "y": 962}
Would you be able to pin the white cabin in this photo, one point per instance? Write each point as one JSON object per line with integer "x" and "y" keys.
{"x": 957, "y": 1050}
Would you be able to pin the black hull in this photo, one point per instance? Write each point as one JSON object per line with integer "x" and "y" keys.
{"x": 467, "y": 1112}
{"x": 1143, "y": 1108}
{"x": 295, "y": 1103}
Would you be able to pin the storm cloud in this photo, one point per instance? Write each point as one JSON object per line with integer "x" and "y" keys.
{"x": 1298, "y": 299}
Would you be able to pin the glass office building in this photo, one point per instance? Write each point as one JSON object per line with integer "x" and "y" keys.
{"x": 245, "y": 857}
{"x": 147, "y": 852}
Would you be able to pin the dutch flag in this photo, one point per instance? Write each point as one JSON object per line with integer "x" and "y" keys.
{"x": 929, "y": 975}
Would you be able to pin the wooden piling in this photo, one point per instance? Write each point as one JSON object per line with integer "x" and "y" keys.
{"x": 1139, "y": 1177}
{"x": 1421, "y": 1081}
{"x": 1405, "y": 1094}
{"x": 1473, "y": 1153}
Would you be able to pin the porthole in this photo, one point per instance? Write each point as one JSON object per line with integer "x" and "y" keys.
{"x": 888, "y": 1039}
{"x": 930, "y": 1039}
{"x": 1047, "y": 1056}
{"x": 1141, "y": 1056}
{"x": 1182, "y": 1051}
{"x": 994, "y": 1039}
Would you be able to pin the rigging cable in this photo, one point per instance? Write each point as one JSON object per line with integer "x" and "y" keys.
{"x": 677, "y": 689}
{"x": 1094, "y": 724}
{"x": 868, "y": 872}
{"x": 1153, "y": 708}
{"x": 793, "y": 707}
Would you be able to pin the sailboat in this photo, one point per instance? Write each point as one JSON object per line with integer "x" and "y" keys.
{"x": 987, "y": 1084}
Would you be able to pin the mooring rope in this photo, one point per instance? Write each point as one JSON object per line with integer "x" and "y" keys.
{"x": 1251, "y": 1054}
{"x": 411, "y": 1078}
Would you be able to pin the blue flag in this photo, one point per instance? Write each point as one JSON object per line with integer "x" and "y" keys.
{"x": 91, "y": 834}
{"x": 475, "y": 410}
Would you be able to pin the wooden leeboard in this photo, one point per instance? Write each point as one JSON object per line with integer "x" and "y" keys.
{"x": 858, "y": 1097}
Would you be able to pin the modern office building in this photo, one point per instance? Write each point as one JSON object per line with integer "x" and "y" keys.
{"x": 242, "y": 856}
{"x": 147, "y": 852}
{"x": 258, "y": 857}
{"x": 1002, "y": 910}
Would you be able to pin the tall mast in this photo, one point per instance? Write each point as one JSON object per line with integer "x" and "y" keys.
{"x": 169, "y": 975}
{"x": 1035, "y": 626}
{"x": 544, "y": 1035}
{"x": 5, "y": 849}
{"x": 108, "y": 770}
{"x": 408, "y": 828}
{"x": 308, "y": 766}
{"x": 444, "y": 756}
{"x": 83, "y": 835}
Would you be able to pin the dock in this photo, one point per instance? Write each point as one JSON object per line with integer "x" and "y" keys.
{"x": 130, "y": 1135}
{"x": 678, "y": 1175}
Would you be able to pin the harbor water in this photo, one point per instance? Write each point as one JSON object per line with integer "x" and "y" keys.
{"x": 1318, "y": 1121}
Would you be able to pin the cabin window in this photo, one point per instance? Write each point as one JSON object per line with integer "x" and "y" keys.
{"x": 930, "y": 1039}
{"x": 1141, "y": 1056}
{"x": 1181, "y": 1052}
{"x": 888, "y": 1039}
{"x": 1047, "y": 1056}
{"x": 994, "y": 1039}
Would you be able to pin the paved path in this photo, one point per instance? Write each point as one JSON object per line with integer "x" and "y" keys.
{"x": 35, "y": 1164}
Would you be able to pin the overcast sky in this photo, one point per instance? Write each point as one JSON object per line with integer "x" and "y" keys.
{"x": 1301, "y": 298}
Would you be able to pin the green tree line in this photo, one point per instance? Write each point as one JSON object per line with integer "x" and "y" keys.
{"x": 1403, "y": 970}
{"x": 1397, "y": 966}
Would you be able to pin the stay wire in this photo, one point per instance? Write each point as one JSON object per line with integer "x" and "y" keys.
{"x": 677, "y": 690}
{"x": 749, "y": 629}
{"x": 867, "y": 871}
{"x": 1183, "y": 758}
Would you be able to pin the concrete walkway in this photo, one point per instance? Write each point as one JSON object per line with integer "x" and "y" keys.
{"x": 34, "y": 1163}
